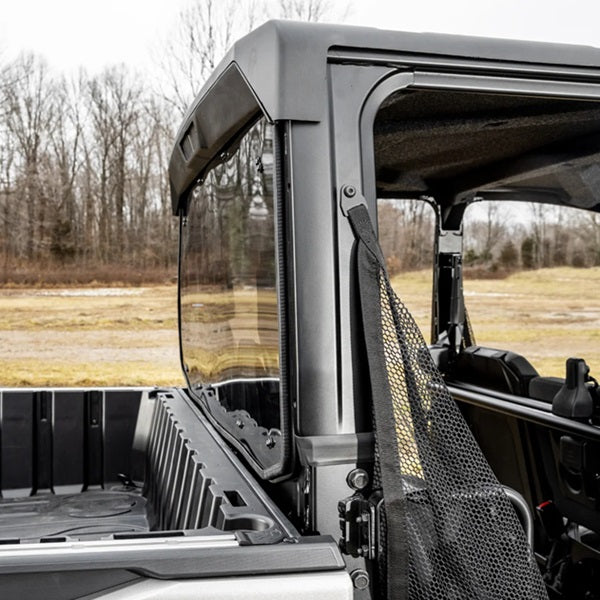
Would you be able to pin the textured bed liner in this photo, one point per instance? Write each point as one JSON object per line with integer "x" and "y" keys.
{"x": 85, "y": 516}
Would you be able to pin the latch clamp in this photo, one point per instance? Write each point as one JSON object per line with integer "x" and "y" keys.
{"x": 359, "y": 524}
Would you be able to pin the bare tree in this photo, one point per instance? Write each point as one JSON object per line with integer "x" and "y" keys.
{"x": 83, "y": 162}
{"x": 493, "y": 231}
{"x": 206, "y": 30}
{"x": 540, "y": 234}
{"x": 30, "y": 119}
{"x": 306, "y": 10}
{"x": 164, "y": 227}
{"x": 66, "y": 144}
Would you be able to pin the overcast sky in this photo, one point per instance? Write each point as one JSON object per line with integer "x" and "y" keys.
{"x": 73, "y": 33}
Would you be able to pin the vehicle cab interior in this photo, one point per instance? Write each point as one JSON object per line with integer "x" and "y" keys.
{"x": 523, "y": 169}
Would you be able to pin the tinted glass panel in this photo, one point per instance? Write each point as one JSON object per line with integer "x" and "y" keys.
{"x": 229, "y": 316}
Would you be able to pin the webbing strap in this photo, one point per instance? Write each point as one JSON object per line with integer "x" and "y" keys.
{"x": 370, "y": 263}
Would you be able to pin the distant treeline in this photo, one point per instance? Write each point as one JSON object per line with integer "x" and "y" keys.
{"x": 498, "y": 236}
{"x": 513, "y": 235}
{"x": 83, "y": 161}
{"x": 83, "y": 169}
{"x": 84, "y": 189}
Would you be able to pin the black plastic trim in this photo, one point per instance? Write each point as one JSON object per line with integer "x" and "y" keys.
{"x": 211, "y": 125}
{"x": 326, "y": 450}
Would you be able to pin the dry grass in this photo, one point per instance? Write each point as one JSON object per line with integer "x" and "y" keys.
{"x": 42, "y": 373}
{"x": 547, "y": 315}
{"x": 77, "y": 309}
{"x": 90, "y": 336}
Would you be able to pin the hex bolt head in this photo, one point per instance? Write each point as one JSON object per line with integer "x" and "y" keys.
{"x": 357, "y": 479}
{"x": 349, "y": 191}
{"x": 360, "y": 579}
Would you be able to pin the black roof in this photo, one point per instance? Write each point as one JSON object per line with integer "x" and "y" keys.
{"x": 282, "y": 67}
{"x": 283, "y": 60}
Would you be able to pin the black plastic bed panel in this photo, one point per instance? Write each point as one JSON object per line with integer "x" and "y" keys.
{"x": 65, "y": 441}
{"x": 220, "y": 521}
{"x": 99, "y": 464}
{"x": 194, "y": 482}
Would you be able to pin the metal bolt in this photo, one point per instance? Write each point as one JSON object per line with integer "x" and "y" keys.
{"x": 357, "y": 479}
{"x": 239, "y": 423}
{"x": 349, "y": 191}
{"x": 360, "y": 579}
{"x": 270, "y": 442}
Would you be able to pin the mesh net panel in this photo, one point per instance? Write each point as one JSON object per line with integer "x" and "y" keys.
{"x": 460, "y": 536}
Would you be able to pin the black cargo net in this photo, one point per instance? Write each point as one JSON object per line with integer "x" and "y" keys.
{"x": 451, "y": 532}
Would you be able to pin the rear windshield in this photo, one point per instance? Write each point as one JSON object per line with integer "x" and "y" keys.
{"x": 229, "y": 316}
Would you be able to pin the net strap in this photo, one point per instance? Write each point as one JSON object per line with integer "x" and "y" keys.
{"x": 370, "y": 264}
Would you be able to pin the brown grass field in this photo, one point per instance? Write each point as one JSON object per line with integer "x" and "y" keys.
{"x": 546, "y": 315}
{"x": 128, "y": 336}
{"x": 89, "y": 336}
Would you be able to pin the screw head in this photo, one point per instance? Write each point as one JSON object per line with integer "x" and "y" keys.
{"x": 357, "y": 479}
{"x": 349, "y": 191}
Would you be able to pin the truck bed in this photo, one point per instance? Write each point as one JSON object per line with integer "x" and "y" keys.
{"x": 88, "y": 515}
{"x": 110, "y": 487}
{"x": 103, "y": 464}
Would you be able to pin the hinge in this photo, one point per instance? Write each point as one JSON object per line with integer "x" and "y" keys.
{"x": 360, "y": 525}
